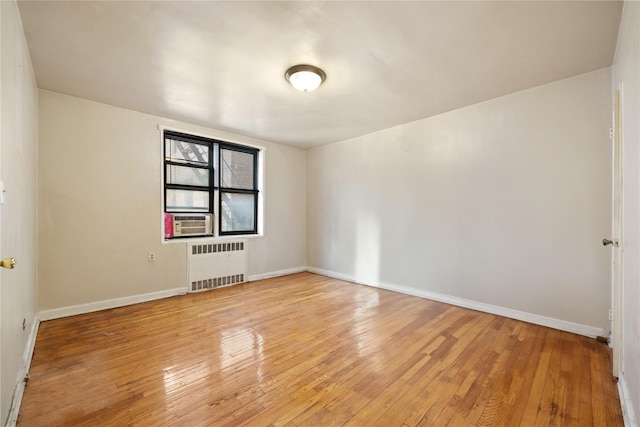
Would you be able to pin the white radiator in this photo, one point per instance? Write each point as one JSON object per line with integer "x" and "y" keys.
{"x": 213, "y": 265}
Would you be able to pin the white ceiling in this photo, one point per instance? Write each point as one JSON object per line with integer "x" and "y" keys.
{"x": 222, "y": 64}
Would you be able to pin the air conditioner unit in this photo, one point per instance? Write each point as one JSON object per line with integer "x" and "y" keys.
{"x": 191, "y": 225}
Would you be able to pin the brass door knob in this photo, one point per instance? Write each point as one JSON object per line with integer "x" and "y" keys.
{"x": 8, "y": 263}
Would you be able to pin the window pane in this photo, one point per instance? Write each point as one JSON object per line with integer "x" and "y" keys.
{"x": 186, "y": 152}
{"x": 186, "y": 200}
{"x": 187, "y": 176}
{"x": 238, "y": 212}
{"x": 236, "y": 169}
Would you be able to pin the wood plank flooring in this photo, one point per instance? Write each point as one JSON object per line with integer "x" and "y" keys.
{"x": 306, "y": 350}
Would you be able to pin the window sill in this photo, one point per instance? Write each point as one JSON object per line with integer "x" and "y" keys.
{"x": 210, "y": 239}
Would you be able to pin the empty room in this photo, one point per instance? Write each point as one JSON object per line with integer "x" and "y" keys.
{"x": 310, "y": 213}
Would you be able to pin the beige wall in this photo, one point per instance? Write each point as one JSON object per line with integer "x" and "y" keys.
{"x": 100, "y": 205}
{"x": 18, "y": 124}
{"x": 502, "y": 203}
{"x": 627, "y": 74}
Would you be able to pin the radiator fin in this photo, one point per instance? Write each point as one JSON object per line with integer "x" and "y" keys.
{"x": 216, "y": 247}
{"x": 216, "y": 282}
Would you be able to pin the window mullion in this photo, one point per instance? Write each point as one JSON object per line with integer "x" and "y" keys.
{"x": 187, "y": 187}
{"x": 185, "y": 164}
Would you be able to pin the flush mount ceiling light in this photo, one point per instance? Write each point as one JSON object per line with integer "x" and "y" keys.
{"x": 305, "y": 78}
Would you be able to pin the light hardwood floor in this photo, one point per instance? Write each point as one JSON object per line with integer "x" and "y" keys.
{"x": 308, "y": 350}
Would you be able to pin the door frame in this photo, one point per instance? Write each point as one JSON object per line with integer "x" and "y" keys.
{"x": 616, "y": 234}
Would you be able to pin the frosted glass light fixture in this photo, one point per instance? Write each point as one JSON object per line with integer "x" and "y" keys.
{"x": 305, "y": 78}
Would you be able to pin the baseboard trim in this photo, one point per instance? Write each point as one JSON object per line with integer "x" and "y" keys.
{"x": 18, "y": 392}
{"x": 277, "y": 273}
{"x": 73, "y": 310}
{"x": 563, "y": 325}
{"x": 627, "y": 405}
{"x": 589, "y": 331}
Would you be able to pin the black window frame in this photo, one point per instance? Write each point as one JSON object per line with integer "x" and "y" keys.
{"x": 213, "y": 187}
{"x": 209, "y": 188}
{"x": 254, "y": 191}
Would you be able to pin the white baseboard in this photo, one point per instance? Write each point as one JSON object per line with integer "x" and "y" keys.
{"x": 335, "y": 275}
{"x": 627, "y": 405}
{"x": 590, "y": 331}
{"x": 73, "y": 310}
{"x": 112, "y": 303}
{"x": 278, "y": 273}
{"x": 18, "y": 391}
{"x": 563, "y": 325}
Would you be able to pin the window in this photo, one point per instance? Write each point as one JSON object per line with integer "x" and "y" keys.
{"x": 207, "y": 176}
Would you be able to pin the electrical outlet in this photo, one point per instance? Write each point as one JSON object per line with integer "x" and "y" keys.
{"x": 610, "y": 314}
{"x": 151, "y": 256}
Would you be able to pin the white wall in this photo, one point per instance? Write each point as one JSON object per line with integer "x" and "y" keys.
{"x": 626, "y": 71}
{"x": 100, "y": 205}
{"x": 503, "y": 203}
{"x": 18, "y": 124}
